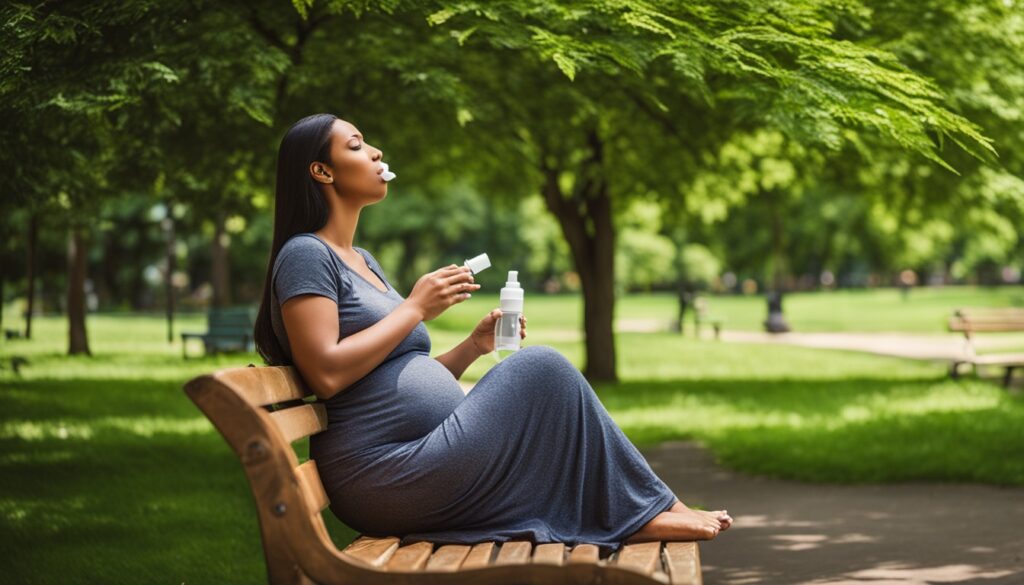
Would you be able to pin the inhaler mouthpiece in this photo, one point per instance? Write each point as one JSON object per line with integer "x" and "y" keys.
{"x": 513, "y": 279}
{"x": 479, "y": 263}
{"x": 386, "y": 175}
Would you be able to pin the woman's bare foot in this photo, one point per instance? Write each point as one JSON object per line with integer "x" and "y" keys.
{"x": 685, "y": 525}
{"x": 722, "y": 515}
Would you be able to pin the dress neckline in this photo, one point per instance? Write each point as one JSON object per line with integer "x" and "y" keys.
{"x": 353, "y": 270}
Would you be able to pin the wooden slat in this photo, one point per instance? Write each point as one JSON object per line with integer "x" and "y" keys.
{"x": 375, "y": 551}
{"x": 682, "y": 559}
{"x": 265, "y": 384}
{"x": 448, "y": 557}
{"x": 551, "y": 553}
{"x": 311, "y": 487}
{"x": 514, "y": 552}
{"x": 479, "y": 555}
{"x": 642, "y": 557}
{"x": 584, "y": 553}
{"x": 300, "y": 421}
{"x": 996, "y": 359}
{"x": 411, "y": 558}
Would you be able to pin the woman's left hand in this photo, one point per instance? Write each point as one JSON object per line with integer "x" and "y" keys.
{"x": 483, "y": 334}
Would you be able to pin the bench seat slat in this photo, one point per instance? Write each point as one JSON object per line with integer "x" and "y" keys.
{"x": 302, "y": 421}
{"x": 373, "y": 550}
{"x": 992, "y": 359}
{"x": 682, "y": 561}
{"x": 584, "y": 553}
{"x": 448, "y": 557}
{"x": 479, "y": 555}
{"x": 410, "y": 558}
{"x": 642, "y": 557}
{"x": 551, "y": 553}
{"x": 514, "y": 552}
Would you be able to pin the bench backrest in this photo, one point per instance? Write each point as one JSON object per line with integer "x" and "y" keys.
{"x": 236, "y": 321}
{"x": 260, "y": 411}
{"x": 972, "y": 320}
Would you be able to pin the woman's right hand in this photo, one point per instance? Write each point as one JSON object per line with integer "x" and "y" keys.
{"x": 436, "y": 291}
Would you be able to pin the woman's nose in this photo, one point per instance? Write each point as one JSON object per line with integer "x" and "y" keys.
{"x": 378, "y": 156}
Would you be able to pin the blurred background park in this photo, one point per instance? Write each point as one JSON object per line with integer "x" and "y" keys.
{"x": 749, "y": 224}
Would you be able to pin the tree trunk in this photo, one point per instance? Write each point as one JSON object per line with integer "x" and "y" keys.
{"x": 586, "y": 221}
{"x": 78, "y": 341}
{"x": 168, "y": 225}
{"x": 30, "y": 272}
{"x": 219, "y": 265}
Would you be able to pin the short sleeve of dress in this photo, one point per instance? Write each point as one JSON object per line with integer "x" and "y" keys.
{"x": 305, "y": 266}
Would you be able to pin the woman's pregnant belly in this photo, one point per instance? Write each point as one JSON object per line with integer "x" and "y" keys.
{"x": 401, "y": 400}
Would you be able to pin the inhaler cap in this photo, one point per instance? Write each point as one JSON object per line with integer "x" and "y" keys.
{"x": 479, "y": 263}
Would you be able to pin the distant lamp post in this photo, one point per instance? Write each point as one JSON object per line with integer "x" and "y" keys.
{"x": 776, "y": 322}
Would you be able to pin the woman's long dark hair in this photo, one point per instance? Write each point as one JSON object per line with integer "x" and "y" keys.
{"x": 299, "y": 207}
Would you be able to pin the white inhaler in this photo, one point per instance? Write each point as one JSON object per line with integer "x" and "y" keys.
{"x": 506, "y": 332}
{"x": 478, "y": 264}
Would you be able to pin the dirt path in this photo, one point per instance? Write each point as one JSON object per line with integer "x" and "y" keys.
{"x": 792, "y": 533}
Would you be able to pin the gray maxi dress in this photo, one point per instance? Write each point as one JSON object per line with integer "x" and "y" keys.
{"x": 529, "y": 454}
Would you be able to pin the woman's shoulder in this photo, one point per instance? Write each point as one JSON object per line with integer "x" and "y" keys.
{"x": 304, "y": 245}
{"x": 305, "y": 250}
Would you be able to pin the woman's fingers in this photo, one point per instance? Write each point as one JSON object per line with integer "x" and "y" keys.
{"x": 461, "y": 289}
{"x": 459, "y": 277}
{"x": 451, "y": 270}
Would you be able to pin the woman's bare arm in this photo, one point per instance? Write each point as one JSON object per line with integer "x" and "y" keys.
{"x": 460, "y": 357}
{"x": 329, "y": 365}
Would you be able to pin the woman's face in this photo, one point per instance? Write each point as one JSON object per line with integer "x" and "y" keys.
{"x": 354, "y": 170}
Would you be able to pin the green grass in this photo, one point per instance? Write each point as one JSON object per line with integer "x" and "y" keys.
{"x": 109, "y": 474}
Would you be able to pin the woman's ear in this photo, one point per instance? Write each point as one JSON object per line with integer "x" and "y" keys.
{"x": 320, "y": 172}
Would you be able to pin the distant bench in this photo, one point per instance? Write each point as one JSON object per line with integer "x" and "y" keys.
{"x": 977, "y": 320}
{"x": 228, "y": 329}
{"x": 261, "y": 411}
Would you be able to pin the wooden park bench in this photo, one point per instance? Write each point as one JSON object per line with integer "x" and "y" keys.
{"x": 228, "y": 329}
{"x": 971, "y": 321}
{"x": 261, "y": 411}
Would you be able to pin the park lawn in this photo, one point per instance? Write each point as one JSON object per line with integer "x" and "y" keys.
{"x": 109, "y": 474}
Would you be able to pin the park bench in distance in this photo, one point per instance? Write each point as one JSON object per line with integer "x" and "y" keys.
{"x": 261, "y": 411}
{"x": 971, "y": 321}
{"x": 228, "y": 329}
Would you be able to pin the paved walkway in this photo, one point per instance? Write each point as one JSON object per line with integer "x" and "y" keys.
{"x": 793, "y": 533}
{"x": 925, "y": 347}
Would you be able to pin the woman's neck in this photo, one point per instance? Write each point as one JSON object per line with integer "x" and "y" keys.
{"x": 340, "y": 229}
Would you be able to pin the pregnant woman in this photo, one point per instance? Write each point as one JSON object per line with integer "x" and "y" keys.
{"x": 529, "y": 454}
